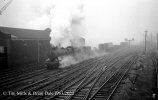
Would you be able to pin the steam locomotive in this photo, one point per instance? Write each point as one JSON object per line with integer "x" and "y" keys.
{"x": 53, "y": 61}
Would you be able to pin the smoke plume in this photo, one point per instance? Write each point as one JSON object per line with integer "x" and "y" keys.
{"x": 66, "y": 23}
{"x": 66, "y": 61}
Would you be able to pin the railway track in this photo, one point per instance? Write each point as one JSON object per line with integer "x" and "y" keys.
{"x": 70, "y": 78}
{"x": 106, "y": 91}
{"x": 37, "y": 72}
{"x": 79, "y": 85}
{"x": 14, "y": 72}
{"x": 84, "y": 91}
{"x": 90, "y": 74}
{"x": 48, "y": 80}
{"x": 23, "y": 77}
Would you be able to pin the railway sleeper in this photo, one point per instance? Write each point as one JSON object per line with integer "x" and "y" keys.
{"x": 105, "y": 90}
{"x": 78, "y": 98}
{"x": 101, "y": 96}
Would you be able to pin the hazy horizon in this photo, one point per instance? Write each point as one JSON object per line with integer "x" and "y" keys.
{"x": 104, "y": 21}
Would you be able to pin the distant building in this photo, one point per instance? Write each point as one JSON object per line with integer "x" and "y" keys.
{"x": 110, "y": 44}
{"x": 124, "y": 43}
{"x": 101, "y": 47}
{"x": 105, "y": 46}
{"x": 116, "y": 46}
{"x": 20, "y": 33}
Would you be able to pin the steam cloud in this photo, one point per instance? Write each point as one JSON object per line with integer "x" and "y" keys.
{"x": 66, "y": 23}
{"x": 66, "y": 27}
{"x": 66, "y": 61}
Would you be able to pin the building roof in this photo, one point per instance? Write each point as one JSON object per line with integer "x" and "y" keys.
{"x": 20, "y": 33}
{"x": 4, "y": 35}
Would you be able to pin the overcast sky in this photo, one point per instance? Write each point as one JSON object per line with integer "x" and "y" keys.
{"x": 105, "y": 20}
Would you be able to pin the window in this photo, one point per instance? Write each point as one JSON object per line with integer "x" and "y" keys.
{"x": 2, "y": 49}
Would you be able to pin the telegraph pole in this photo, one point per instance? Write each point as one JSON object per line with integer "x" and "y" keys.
{"x": 151, "y": 40}
{"x": 157, "y": 41}
{"x": 145, "y": 40}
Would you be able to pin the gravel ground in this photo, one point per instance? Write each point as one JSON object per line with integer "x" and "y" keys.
{"x": 137, "y": 85}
